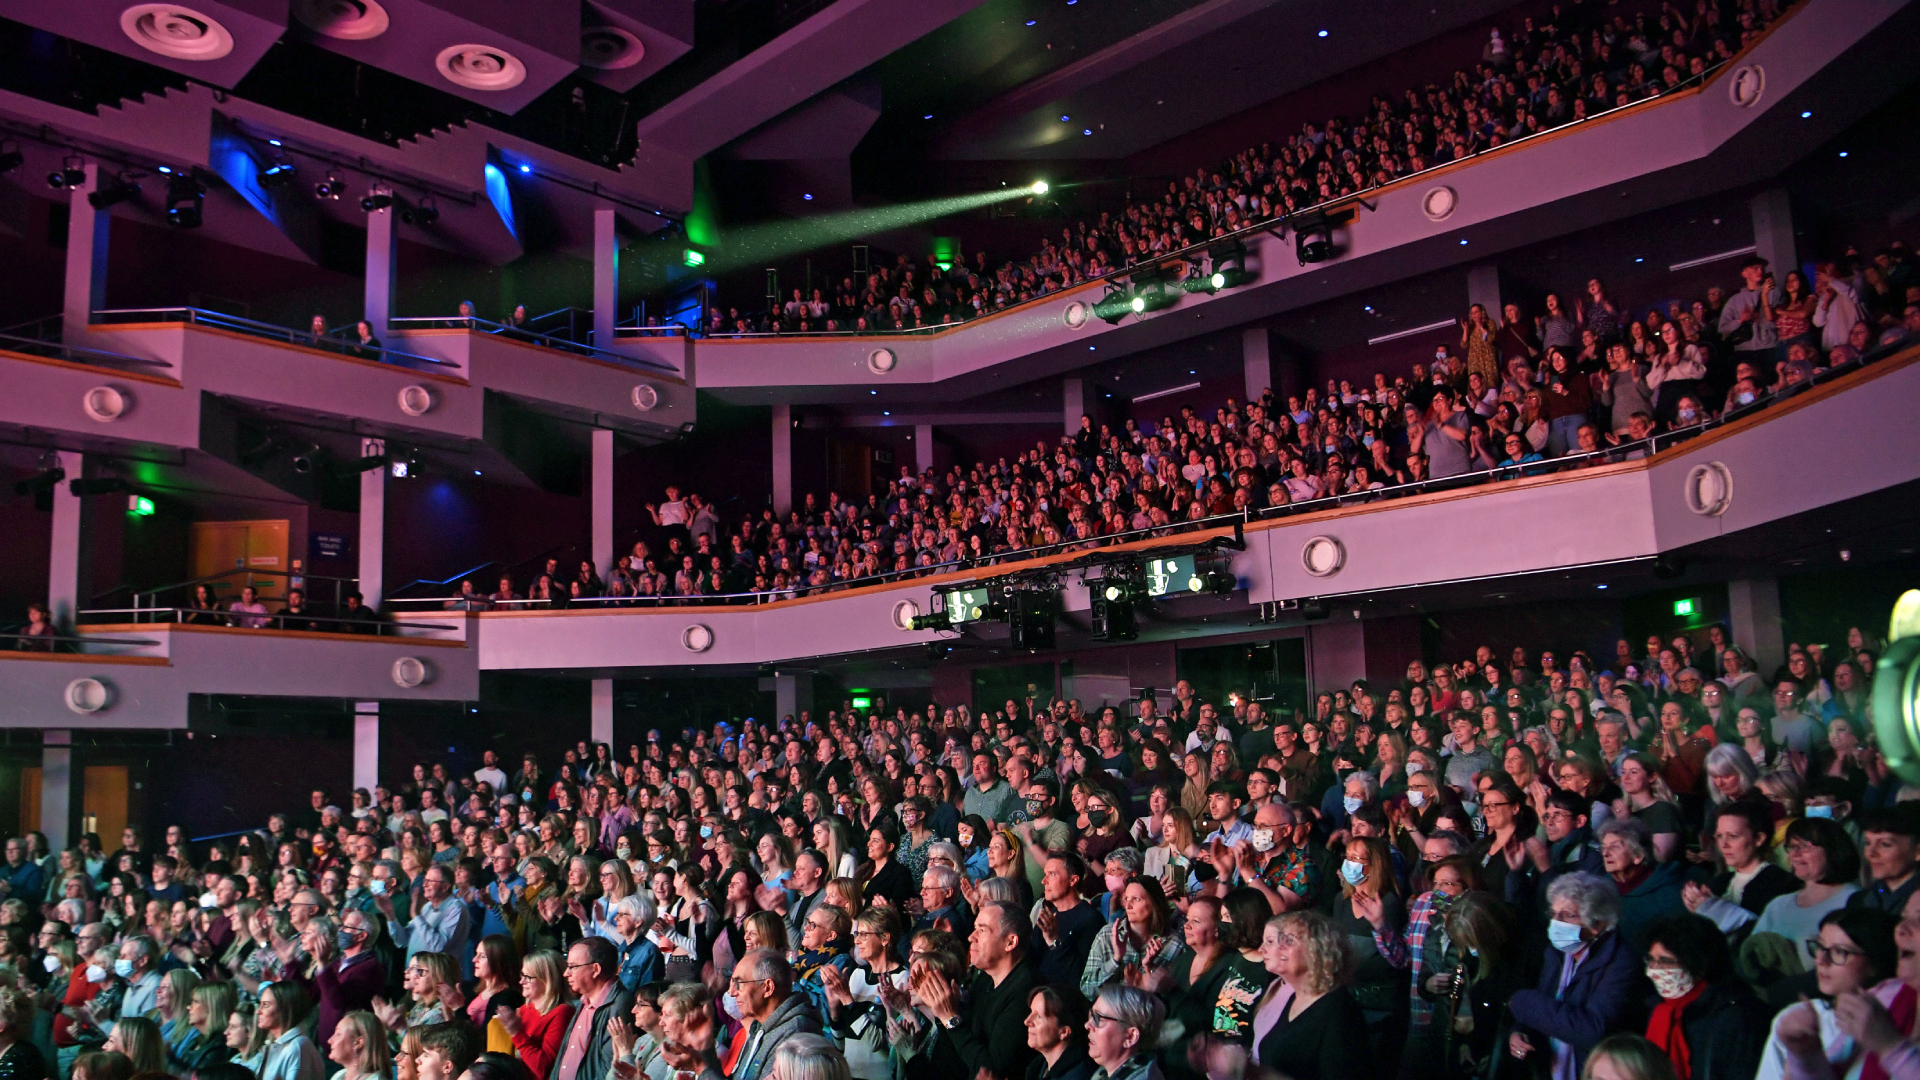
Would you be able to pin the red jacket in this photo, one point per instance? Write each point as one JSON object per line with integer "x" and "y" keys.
{"x": 541, "y": 1038}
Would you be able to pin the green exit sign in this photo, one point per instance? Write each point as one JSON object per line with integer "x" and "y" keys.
{"x": 695, "y": 258}
{"x": 1686, "y": 608}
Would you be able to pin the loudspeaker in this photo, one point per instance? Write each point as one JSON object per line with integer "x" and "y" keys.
{"x": 1114, "y": 620}
{"x": 1030, "y": 620}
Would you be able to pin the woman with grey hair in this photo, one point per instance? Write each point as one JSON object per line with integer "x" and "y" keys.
{"x": 1564, "y": 1016}
{"x": 1731, "y": 775}
{"x": 808, "y": 1057}
{"x": 1648, "y": 889}
{"x": 1123, "y": 1027}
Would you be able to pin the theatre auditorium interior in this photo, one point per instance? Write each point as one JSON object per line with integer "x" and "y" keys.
{"x": 1361, "y": 509}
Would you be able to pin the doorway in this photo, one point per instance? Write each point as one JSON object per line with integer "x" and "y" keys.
{"x": 220, "y": 547}
{"x": 103, "y": 801}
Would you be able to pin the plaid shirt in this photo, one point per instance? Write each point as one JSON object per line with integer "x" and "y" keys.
{"x": 1411, "y": 950}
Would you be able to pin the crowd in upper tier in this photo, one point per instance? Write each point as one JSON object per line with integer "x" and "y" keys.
{"x": 1584, "y": 58}
{"x": 1580, "y": 383}
{"x": 1661, "y": 864}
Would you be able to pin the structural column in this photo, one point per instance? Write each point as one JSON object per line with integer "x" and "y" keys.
{"x": 922, "y": 447}
{"x": 373, "y": 525}
{"x": 1336, "y": 652}
{"x": 792, "y": 693}
{"x": 1073, "y": 404}
{"x": 1483, "y": 288}
{"x": 366, "y": 744}
{"x": 1753, "y": 614}
{"x": 67, "y": 587}
{"x": 87, "y": 231}
{"x": 602, "y": 480}
{"x": 606, "y": 276}
{"x": 603, "y": 711}
{"x": 56, "y": 787}
{"x": 383, "y": 268}
{"x": 782, "y": 460}
{"x": 1257, "y": 357}
{"x": 1773, "y": 231}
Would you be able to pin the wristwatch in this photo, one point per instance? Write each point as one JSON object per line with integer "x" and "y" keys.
{"x": 951, "y": 1023}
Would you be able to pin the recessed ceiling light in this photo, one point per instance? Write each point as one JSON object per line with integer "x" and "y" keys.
{"x": 1602, "y": 586}
{"x": 1064, "y": 119}
{"x": 1089, "y": 131}
{"x": 875, "y": 393}
{"x": 1323, "y": 33}
{"x": 1843, "y": 153}
{"x": 809, "y": 198}
{"x": 1639, "y": 258}
{"x": 526, "y": 168}
{"x": 273, "y": 142}
{"x": 1463, "y": 241}
{"x": 1807, "y": 115}
{"x": 929, "y": 116}
{"x": 1030, "y": 22}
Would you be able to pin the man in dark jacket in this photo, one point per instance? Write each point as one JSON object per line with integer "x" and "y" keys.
{"x": 989, "y": 1031}
{"x": 1591, "y": 985}
{"x": 593, "y": 972}
{"x": 763, "y": 985}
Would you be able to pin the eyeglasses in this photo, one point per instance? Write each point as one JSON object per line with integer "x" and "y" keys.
{"x": 1834, "y": 955}
{"x": 738, "y": 981}
{"x": 1097, "y": 1019}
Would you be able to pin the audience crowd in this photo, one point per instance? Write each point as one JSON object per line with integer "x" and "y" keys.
{"x": 1656, "y": 865}
{"x": 1583, "y": 59}
{"x": 1585, "y": 382}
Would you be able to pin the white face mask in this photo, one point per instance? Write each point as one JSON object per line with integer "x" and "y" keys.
{"x": 96, "y": 973}
{"x": 51, "y": 963}
{"x": 1670, "y": 983}
{"x": 1263, "y": 840}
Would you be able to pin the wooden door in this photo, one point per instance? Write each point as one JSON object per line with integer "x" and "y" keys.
{"x": 221, "y": 546}
{"x": 29, "y": 799}
{"x": 103, "y": 803}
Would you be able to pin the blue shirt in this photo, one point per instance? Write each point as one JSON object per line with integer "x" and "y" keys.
{"x": 639, "y": 962}
{"x": 26, "y": 882}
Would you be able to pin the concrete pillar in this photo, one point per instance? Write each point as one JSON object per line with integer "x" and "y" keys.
{"x": 383, "y": 268}
{"x": 1483, "y": 288}
{"x": 922, "y": 447}
{"x": 373, "y": 525}
{"x": 792, "y": 693}
{"x": 366, "y": 745}
{"x": 603, "y": 711}
{"x": 606, "y": 276}
{"x": 602, "y": 480}
{"x": 1336, "y": 652}
{"x": 56, "y": 787}
{"x": 1073, "y": 404}
{"x": 1257, "y": 357}
{"x": 1753, "y": 614}
{"x": 1773, "y": 231}
{"x": 782, "y": 459}
{"x": 87, "y": 231}
{"x": 67, "y": 577}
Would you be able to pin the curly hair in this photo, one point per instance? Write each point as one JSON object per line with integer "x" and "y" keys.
{"x": 1327, "y": 951}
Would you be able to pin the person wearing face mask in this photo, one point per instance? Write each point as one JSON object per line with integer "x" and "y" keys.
{"x": 137, "y": 967}
{"x": 1592, "y": 981}
{"x": 1276, "y": 860}
{"x": 1042, "y": 834}
{"x": 1425, "y": 950}
{"x": 1710, "y": 1023}
{"x": 346, "y": 975}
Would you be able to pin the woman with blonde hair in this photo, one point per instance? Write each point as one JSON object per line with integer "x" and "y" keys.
{"x": 1321, "y": 1031}
{"x": 1171, "y": 861}
{"x": 359, "y": 1047}
{"x": 844, "y": 893}
{"x": 831, "y": 838}
{"x": 208, "y": 1012}
{"x": 1626, "y": 1056}
{"x": 139, "y": 1039}
{"x": 174, "y": 1000}
{"x": 426, "y": 973}
{"x": 287, "y": 1053}
{"x": 539, "y": 1028}
{"x": 1193, "y": 796}
{"x": 765, "y": 930}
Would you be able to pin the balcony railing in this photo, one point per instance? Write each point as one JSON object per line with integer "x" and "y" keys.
{"x": 1630, "y": 451}
{"x": 74, "y": 354}
{"x": 300, "y": 621}
{"x": 328, "y": 342}
{"x": 530, "y": 337}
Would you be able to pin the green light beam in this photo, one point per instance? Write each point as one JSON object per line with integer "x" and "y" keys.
{"x": 759, "y": 245}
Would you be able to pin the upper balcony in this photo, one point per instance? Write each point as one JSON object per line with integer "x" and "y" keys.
{"x": 140, "y": 674}
{"x": 138, "y": 376}
{"x": 1706, "y": 493}
{"x": 1742, "y": 120}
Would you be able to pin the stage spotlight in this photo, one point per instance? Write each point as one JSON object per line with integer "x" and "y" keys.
{"x": 105, "y": 485}
{"x": 185, "y": 197}
{"x": 119, "y": 191}
{"x": 327, "y": 189}
{"x": 1114, "y": 305}
{"x": 307, "y": 460}
{"x": 1039, "y": 187}
{"x": 369, "y": 463}
{"x": 10, "y": 157}
{"x": 933, "y": 620}
{"x": 40, "y": 486}
{"x": 1217, "y": 582}
{"x": 424, "y": 214}
{"x": 1229, "y": 263}
{"x": 1313, "y": 239}
{"x": 1152, "y": 291}
{"x": 276, "y": 174}
{"x": 376, "y": 200}
{"x": 71, "y": 174}
{"x": 1030, "y": 623}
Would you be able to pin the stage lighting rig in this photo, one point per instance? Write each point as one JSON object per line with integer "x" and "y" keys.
{"x": 119, "y": 191}
{"x": 276, "y": 175}
{"x": 376, "y": 200}
{"x": 11, "y": 157}
{"x": 71, "y": 174}
{"x": 1313, "y": 238}
{"x": 330, "y": 188}
{"x": 424, "y": 214}
{"x": 185, "y": 199}
{"x": 1115, "y": 304}
{"x": 1228, "y": 269}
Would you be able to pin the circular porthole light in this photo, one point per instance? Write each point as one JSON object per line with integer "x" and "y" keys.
{"x": 1323, "y": 556}
{"x": 881, "y": 361}
{"x": 480, "y": 67}
{"x": 88, "y": 696}
{"x": 1709, "y": 489}
{"x": 175, "y": 31}
{"x": 696, "y": 638}
{"x": 104, "y": 404}
{"x": 610, "y": 48}
{"x": 904, "y": 613}
{"x": 342, "y": 20}
{"x": 1748, "y": 86}
{"x": 409, "y": 672}
{"x": 416, "y": 400}
{"x": 1076, "y": 314}
{"x": 1439, "y": 203}
{"x": 645, "y": 397}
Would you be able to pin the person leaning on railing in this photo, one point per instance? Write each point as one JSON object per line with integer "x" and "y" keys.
{"x": 38, "y": 634}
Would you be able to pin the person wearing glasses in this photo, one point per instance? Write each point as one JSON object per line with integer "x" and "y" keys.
{"x": 1123, "y": 1027}
{"x": 762, "y": 983}
{"x": 853, "y": 997}
{"x": 592, "y": 973}
{"x": 1709, "y": 1021}
{"x": 1854, "y": 952}
{"x": 987, "y": 1030}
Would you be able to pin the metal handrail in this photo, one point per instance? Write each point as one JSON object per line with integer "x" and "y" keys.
{"x": 326, "y": 342}
{"x": 153, "y": 594}
{"x": 374, "y": 626}
{"x": 521, "y": 333}
{"x": 71, "y": 639}
{"x": 1266, "y": 225}
{"x": 78, "y": 354}
{"x": 1627, "y": 451}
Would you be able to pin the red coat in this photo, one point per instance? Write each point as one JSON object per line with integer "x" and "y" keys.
{"x": 541, "y": 1038}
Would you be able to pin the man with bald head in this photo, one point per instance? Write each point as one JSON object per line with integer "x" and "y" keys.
{"x": 1275, "y": 859}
